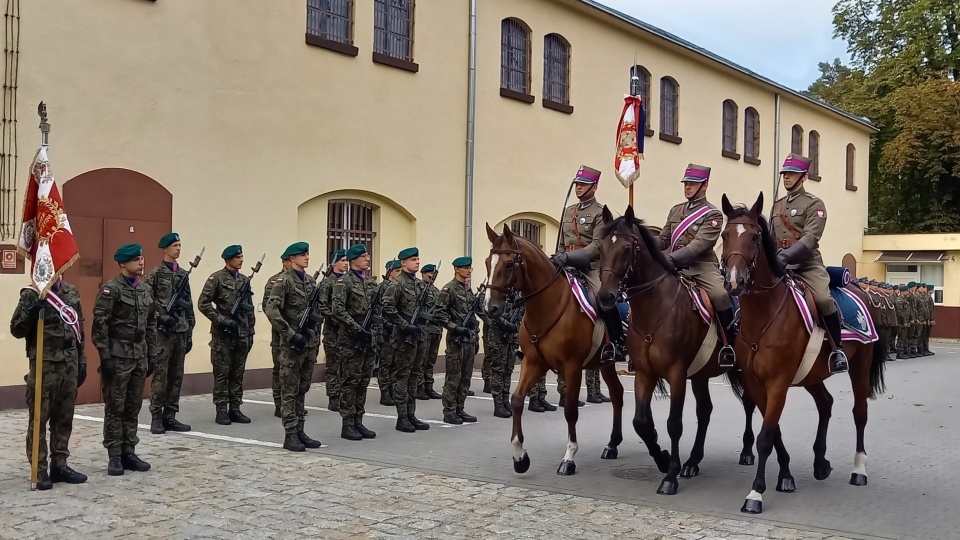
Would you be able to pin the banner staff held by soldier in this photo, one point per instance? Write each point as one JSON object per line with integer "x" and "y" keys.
{"x": 331, "y": 329}
{"x": 125, "y": 334}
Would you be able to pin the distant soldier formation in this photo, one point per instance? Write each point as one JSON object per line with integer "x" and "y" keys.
{"x": 906, "y": 316}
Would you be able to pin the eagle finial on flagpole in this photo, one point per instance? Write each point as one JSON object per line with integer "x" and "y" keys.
{"x": 44, "y": 125}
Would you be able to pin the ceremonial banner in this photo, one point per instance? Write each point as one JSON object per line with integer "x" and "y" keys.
{"x": 45, "y": 234}
{"x": 633, "y": 121}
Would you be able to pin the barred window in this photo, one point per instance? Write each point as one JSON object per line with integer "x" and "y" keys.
{"x": 796, "y": 140}
{"x": 643, "y": 78}
{"x": 349, "y": 223}
{"x": 556, "y": 69}
{"x": 730, "y": 128}
{"x": 851, "y": 171}
{"x": 515, "y": 56}
{"x": 669, "y": 107}
{"x": 393, "y": 28}
{"x": 528, "y": 230}
{"x": 813, "y": 147}
{"x": 751, "y": 136}
{"x": 331, "y": 20}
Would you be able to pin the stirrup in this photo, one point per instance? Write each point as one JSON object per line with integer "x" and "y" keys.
{"x": 727, "y": 357}
{"x": 838, "y": 362}
{"x": 609, "y": 354}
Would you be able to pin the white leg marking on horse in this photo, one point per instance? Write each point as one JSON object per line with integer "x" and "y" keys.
{"x": 572, "y": 448}
{"x": 754, "y": 496}
{"x": 740, "y": 230}
{"x": 494, "y": 261}
{"x": 860, "y": 463}
{"x": 518, "y": 450}
{"x": 732, "y": 277}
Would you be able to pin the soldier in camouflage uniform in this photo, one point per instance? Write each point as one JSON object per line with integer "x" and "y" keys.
{"x": 289, "y": 297}
{"x": 386, "y": 370}
{"x": 175, "y": 337}
{"x": 64, "y": 370}
{"x": 231, "y": 336}
{"x": 502, "y": 342}
{"x": 891, "y": 312}
{"x": 904, "y": 316}
{"x": 274, "y": 339}
{"x": 352, "y": 299}
{"x": 125, "y": 334}
{"x": 931, "y": 315}
{"x": 915, "y": 322}
{"x": 433, "y": 336}
{"x": 331, "y": 331}
{"x": 399, "y": 303}
{"x": 453, "y": 306}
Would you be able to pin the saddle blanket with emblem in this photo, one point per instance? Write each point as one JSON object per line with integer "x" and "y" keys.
{"x": 857, "y": 323}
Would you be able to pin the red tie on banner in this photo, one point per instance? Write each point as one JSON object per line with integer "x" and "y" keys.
{"x": 630, "y": 141}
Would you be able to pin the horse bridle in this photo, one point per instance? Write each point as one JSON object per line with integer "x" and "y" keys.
{"x": 629, "y": 292}
{"x": 518, "y": 263}
{"x": 751, "y": 263}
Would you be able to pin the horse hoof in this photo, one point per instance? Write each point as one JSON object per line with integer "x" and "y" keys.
{"x": 689, "y": 471}
{"x": 663, "y": 461}
{"x": 821, "y": 471}
{"x": 567, "y": 468}
{"x": 609, "y": 453}
{"x": 857, "y": 479}
{"x": 668, "y": 487}
{"x": 746, "y": 459}
{"x": 522, "y": 465}
{"x": 786, "y": 485}
{"x": 751, "y": 506}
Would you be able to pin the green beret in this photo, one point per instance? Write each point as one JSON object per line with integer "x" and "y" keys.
{"x": 393, "y": 265}
{"x": 355, "y": 251}
{"x": 428, "y": 268}
{"x": 127, "y": 253}
{"x": 929, "y": 287}
{"x": 460, "y": 262}
{"x": 168, "y": 239}
{"x": 297, "y": 248}
{"x": 407, "y": 253}
{"x": 911, "y": 284}
{"x": 337, "y": 255}
{"x": 230, "y": 252}
{"x": 904, "y": 288}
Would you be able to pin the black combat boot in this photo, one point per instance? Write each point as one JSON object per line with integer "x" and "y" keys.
{"x": 420, "y": 425}
{"x": 223, "y": 418}
{"x": 131, "y": 462}
{"x": 499, "y": 409}
{"x": 506, "y": 405}
{"x": 386, "y": 399}
{"x": 471, "y": 393}
{"x": 172, "y": 424}
{"x": 466, "y": 417}
{"x": 615, "y": 349}
{"x": 486, "y": 386}
{"x": 727, "y": 357}
{"x": 404, "y": 425}
{"x": 452, "y": 419}
{"x": 431, "y": 393}
{"x": 156, "y": 425}
{"x": 838, "y": 360}
{"x": 535, "y": 405}
{"x": 307, "y": 441}
{"x": 238, "y": 417}
{"x": 66, "y": 475}
{"x": 333, "y": 404}
{"x": 276, "y": 411}
{"x": 43, "y": 479}
{"x": 422, "y": 394}
{"x": 350, "y": 433}
{"x": 363, "y": 431}
{"x": 547, "y": 406}
{"x": 114, "y": 466}
{"x": 292, "y": 442}
{"x": 593, "y": 398}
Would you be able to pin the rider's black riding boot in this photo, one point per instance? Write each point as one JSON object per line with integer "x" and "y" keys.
{"x": 727, "y": 357}
{"x": 838, "y": 360}
{"x": 614, "y": 350}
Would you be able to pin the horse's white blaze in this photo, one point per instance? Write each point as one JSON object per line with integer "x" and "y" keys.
{"x": 572, "y": 448}
{"x": 740, "y": 230}
{"x": 754, "y": 496}
{"x": 860, "y": 463}
{"x": 518, "y": 450}
{"x": 494, "y": 261}
{"x": 614, "y": 239}
{"x": 733, "y": 276}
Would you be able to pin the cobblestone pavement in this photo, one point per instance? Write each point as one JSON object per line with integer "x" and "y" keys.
{"x": 456, "y": 481}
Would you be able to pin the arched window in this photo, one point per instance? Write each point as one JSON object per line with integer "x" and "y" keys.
{"x": 556, "y": 72}
{"x": 851, "y": 167}
{"x": 528, "y": 230}
{"x": 730, "y": 129}
{"x": 349, "y": 223}
{"x": 796, "y": 140}
{"x": 813, "y": 148}
{"x": 515, "y": 57}
{"x": 751, "y": 136}
{"x": 669, "y": 108}
{"x": 643, "y": 79}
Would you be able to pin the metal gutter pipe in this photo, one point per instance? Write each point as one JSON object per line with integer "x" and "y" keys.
{"x": 471, "y": 129}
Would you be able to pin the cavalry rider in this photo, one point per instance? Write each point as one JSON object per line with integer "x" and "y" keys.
{"x": 580, "y": 247}
{"x": 688, "y": 240}
{"x": 798, "y": 223}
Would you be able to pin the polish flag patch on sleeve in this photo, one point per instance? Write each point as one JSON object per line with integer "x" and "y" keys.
{"x": 105, "y": 292}
{"x": 821, "y": 213}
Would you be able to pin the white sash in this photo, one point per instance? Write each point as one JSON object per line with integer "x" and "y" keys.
{"x": 67, "y": 314}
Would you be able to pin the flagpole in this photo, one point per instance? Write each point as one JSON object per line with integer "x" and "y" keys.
{"x": 38, "y": 364}
{"x": 635, "y": 91}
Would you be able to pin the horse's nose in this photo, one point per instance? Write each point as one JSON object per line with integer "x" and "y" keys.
{"x": 607, "y": 300}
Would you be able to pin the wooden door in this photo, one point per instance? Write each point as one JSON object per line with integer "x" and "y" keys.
{"x": 87, "y": 276}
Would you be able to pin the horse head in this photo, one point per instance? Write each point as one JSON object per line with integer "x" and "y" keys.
{"x": 505, "y": 269}
{"x": 747, "y": 246}
{"x": 627, "y": 250}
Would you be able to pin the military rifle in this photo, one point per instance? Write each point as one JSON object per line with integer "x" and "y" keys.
{"x": 416, "y": 316}
{"x": 310, "y": 318}
{"x": 243, "y": 301}
{"x": 470, "y": 317}
{"x": 515, "y": 304}
{"x": 177, "y": 301}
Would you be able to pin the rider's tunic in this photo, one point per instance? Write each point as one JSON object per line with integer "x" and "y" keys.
{"x": 802, "y": 217}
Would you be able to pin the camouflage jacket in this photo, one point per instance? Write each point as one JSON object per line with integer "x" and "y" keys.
{"x": 430, "y": 325}
{"x": 513, "y": 313}
{"x": 217, "y": 298}
{"x": 384, "y": 327}
{"x": 163, "y": 281}
{"x": 125, "y": 320}
{"x": 905, "y": 311}
{"x": 289, "y": 296}
{"x": 699, "y": 238}
{"x": 931, "y": 308}
{"x": 60, "y": 342}
{"x": 330, "y": 326}
{"x": 350, "y": 300}
{"x": 267, "y": 288}
{"x": 452, "y": 305}
{"x": 399, "y": 301}
{"x": 800, "y": 217}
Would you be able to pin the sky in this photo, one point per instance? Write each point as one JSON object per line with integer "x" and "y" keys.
{"x": 782, "y": 43}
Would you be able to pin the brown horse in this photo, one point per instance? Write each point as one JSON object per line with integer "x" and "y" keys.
{"x": 555, "y": 334}
{"x": 770, "y": 347}
{"x": 664, "y": 339}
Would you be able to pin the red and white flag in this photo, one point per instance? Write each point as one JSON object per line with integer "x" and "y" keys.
{"x": 45, "y": 234}
{"x": 630, "y": 141}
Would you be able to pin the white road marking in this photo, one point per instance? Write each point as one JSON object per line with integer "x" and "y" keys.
{"x": 200, "y": 434}
{"x": 440, "y": 423}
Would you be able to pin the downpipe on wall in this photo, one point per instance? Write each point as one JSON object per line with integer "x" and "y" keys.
{"x": 471, "y": 129}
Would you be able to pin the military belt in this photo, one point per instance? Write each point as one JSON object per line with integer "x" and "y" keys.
{"x": 575, "y": 247}
{"x": 787, "y": 242}
{"x": 135, "y": 337}
{"x": 58, "y": 342}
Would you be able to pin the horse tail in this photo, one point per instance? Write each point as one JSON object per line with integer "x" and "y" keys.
{"x": 661, "y": 391}
{"x": 877, "y": 368}
{"x": 735, "y": 378}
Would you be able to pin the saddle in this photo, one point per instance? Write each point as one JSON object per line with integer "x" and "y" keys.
{"x": 855, "y": 319}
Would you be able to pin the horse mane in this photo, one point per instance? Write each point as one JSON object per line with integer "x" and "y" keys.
{"x": 645, "y": 236}
{"x": 767, "y": 241}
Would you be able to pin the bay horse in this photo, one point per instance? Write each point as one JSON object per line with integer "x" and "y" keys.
{"x": 770, "y": 347}
{"x": 555, "y": 334}
{"x": 664, "y": 338}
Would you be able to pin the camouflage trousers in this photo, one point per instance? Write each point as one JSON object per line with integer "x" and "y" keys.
{"x": 57, "y": 399}
{"x": 168, "y": 375}
{"x": 331, "y": 352}
{"x": 503, "y": 357}
{"x": 538, "y": 390}
{"x": 593, "y": 383}
{"x": 296, "y": 374}
{"x": 386, "y": 369}
{"x": 356, "y": 369}
{"x": 228, "y": 354}
{"x": 914, "y": 341}
{"x": 430, "y": 360}
{"x": 275, "y": 352}
{"x": 122, "y": 401}
{"x": 459, "y": 371}
{"x": 407, "y": 373}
